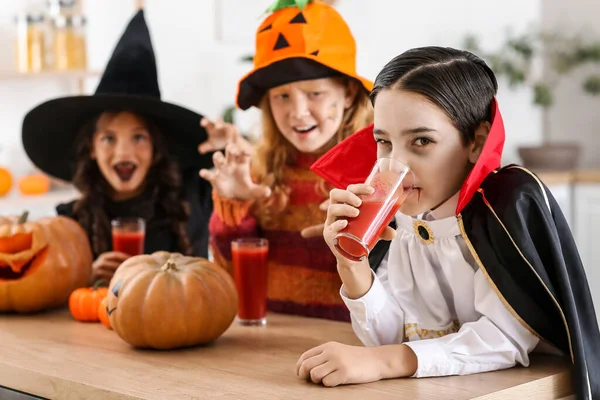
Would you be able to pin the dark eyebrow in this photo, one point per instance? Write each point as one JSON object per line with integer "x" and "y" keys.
{"x": 378, "y": 131}
{"x": 413, "y": 131}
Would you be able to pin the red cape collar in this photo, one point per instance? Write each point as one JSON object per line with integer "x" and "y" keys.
{"x": 351, "y": 160}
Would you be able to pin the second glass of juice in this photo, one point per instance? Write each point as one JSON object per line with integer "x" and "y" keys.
{"x": 128, "y": 235}
{"x": 250, "y": 271}
{"x": 393, "y": 182}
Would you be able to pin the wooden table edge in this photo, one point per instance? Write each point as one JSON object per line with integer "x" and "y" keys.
{"x": 556, "y": 386}
{"x": 52, "y": 387}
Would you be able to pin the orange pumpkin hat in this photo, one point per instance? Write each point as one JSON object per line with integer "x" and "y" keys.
{"x": 300, "y": 40}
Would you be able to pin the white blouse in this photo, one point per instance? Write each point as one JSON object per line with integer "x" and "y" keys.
{"x": 431, "y": 295}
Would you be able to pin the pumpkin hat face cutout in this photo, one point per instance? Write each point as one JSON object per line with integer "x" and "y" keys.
{"x": 297, "y": 43}
{"x": 41, "y": 262}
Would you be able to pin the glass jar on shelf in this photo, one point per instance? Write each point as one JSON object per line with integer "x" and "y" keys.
{"x": 69, "y": 43}
{"x": 30, "y": 45}
{"x": 62, "y": 7}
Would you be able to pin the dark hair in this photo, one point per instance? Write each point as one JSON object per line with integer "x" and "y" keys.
{"x": 163, "y": 183}
{"x": 458, "y": 82}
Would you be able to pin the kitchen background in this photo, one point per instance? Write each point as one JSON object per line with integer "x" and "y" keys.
{"x": 200, "y": 46}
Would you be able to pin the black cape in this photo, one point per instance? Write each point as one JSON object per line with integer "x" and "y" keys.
{"x": 519, "y": 238}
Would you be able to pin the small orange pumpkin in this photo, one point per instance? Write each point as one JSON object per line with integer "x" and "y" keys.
{"x": 103, "y": 313}
{"x": 34, "y": 184}
{"x": 6, "y": 181}
{"x": 84, "y": 302}
{"x": 167, "y": 300}
{"x": 41, "y": 262}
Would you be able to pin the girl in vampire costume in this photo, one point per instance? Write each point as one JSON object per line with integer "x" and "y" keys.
{"x": 479, "y": 267}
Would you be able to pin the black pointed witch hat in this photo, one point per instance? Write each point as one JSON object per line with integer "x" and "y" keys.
{"x": 130, "y": 83}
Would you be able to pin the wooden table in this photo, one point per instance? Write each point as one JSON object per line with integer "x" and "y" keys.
{"x": 52, "y": 356}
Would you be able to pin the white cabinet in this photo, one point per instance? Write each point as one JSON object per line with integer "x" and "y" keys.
{"x": 587, "y": 223}
{"x": 563, "y": 193}
{"x": 580, "y": 203}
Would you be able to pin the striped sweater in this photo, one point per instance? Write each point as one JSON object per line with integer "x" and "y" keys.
{"x": 303, "y": 278}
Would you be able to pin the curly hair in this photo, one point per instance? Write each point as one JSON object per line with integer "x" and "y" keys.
{"x": 163, "y": 182}
{"x": 275, "y": 151}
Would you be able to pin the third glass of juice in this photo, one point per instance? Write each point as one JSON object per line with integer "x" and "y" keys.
{"x": 392, "y": 181}
{"x": 128, "y": 235}
{"x": 250, "y": 272}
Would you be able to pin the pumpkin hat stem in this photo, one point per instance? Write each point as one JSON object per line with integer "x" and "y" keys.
{"x": 279, "y": 4}
{"x": 23, "y": 217}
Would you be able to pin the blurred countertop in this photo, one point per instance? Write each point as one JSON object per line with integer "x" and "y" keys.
{"x": 568, "y": 177}
{"x": 38, "y": 206}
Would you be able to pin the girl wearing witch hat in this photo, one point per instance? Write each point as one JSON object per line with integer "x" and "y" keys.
{"x": 482, "y": 268}
{"x": 305, "y": 83}
{"x": 129, "y": 153}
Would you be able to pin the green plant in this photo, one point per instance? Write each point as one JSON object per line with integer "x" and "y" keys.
{"x": 539, "y": 60}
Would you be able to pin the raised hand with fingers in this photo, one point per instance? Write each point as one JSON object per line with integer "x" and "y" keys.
{"x": 231, "y": 177}
{"x": 220, "y": 134}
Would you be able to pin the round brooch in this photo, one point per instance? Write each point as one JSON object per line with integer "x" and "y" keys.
{"x": 423, "y": 231}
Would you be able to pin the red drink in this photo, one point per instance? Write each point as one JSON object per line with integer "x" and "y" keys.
{"x": 367, "y": 227}
{"x": 391, "y": 187}
{"x": 250, "y": 269}
{"x": 128, "y": 235}
{"x": 131, "y": 243}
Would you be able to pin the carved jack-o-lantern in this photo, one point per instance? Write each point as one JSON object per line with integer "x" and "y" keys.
{"x": 316, "y": 33}
{"x": 41, "y": 262}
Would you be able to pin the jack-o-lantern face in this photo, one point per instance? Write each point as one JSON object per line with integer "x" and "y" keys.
{"x": 41, "y": 262}
{"x": 18, "y": 248}
{"x": 316, "y": 33}
{"x": 114, "y": 290}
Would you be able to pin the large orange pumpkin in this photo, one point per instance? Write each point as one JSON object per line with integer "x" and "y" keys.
{"x": 166, "y": 300}
{"x": 6, "y": 181}
{"x": 41, "y": 262}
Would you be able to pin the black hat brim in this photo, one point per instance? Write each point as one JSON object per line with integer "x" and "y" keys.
{"x": 50, "y": 130}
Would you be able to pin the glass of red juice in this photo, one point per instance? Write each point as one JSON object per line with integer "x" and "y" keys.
{"x": 128, "y": 235}
{"x": 250, "y": 272}
{"x": 393, "y": 182}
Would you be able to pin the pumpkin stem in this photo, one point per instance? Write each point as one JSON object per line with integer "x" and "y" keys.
{"x": 98, "y": 283}
{"x": 23, "y": 217}
{"x": 170, "y": 266}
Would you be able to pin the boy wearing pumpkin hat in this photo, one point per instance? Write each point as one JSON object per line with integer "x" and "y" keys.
{"x": 305, "y": 83}
{"x": 482, "y": 268}
{"x": 129, "y": 153}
